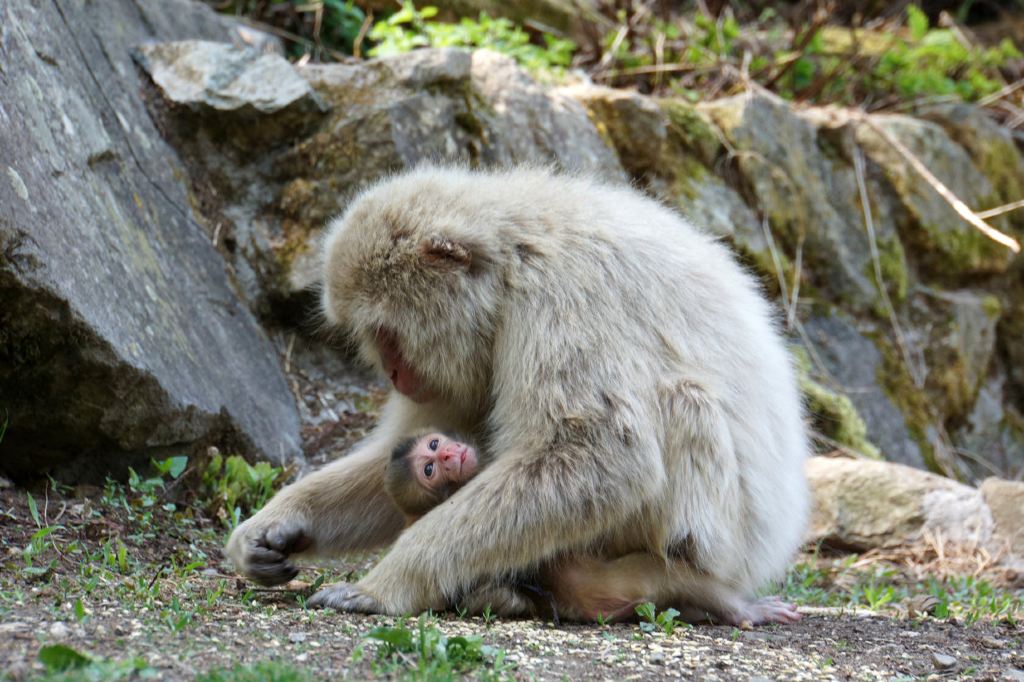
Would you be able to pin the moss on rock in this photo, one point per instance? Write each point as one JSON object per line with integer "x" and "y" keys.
{"x": 834, "y": 415}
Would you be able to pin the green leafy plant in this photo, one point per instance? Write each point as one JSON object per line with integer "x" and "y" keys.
{"x": 234, "y": 486}
{"x": 652, "y": 621}
{"x": 409, "y": 28}
{"x": 64, "y": 663}
{"x": 935, "y": 62}
{"x": 267, "y": 671}
{"x": 430, "y": 654}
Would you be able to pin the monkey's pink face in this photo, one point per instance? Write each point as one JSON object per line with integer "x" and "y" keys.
{"x": 403, "y": 377}
{"x": 441, "y": 461}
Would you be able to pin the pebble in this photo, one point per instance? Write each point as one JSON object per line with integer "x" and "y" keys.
{"x": 297, "y": 637}
{"x": 59, "y": 631}
{"x": 1013, "y": 675}
{"x": 943, "y": 661}
{"x": 656, "y": 658}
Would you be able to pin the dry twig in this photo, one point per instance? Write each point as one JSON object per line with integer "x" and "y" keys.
{"x": 876, "y": 265}
{"x": 999, "y": 210}
{"x": 959, "y": 206}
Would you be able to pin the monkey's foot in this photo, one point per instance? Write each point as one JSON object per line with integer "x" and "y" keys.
{"x": 766, "y": 610}
{"x": 345, "y": 597}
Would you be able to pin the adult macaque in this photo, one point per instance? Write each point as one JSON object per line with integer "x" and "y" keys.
{"x": 622, "y": 371}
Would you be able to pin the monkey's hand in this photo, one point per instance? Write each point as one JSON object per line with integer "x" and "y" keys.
{"x": 345, "y": 597}
{"x": 260, "y": 550}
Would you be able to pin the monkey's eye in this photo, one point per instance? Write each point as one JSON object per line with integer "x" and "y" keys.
{"x": 428, "y": 470}
{"x": 433, "y": 444}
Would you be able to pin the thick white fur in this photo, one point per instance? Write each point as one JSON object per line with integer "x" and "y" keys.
{"x": 623, "y": 369}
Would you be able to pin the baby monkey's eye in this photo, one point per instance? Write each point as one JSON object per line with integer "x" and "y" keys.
{"x": 428, "y": 470}
{"x": 433, "y": 444}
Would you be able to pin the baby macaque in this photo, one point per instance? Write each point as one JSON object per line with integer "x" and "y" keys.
{"x": 426, "y": 469}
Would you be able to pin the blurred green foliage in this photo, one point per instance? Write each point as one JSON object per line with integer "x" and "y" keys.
{"x": 410, "y": 28}
{"x": 235, "y": 488}
{"x": 693, "y": 54}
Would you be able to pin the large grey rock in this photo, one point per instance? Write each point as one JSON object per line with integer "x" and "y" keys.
{"x": 944, "y": 244}
{"x": 120, "y": 331}
{"x": 852, "y": 365}
{"x": 205, "y": 74}
{"x": 992, "y": 150}
{"x": 955, "y": 332}
{"x": 669, "y": 148}
{"x": 991, "y": 438}
{"x": 798, "y": 169}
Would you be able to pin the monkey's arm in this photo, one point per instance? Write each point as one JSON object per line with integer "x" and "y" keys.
{"x": 339, "y": 508}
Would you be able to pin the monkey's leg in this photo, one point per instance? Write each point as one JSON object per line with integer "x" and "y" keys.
{"x": 702, "y": 597}
{"x": 712, "y": 515}
{"x": 588, "y": 588}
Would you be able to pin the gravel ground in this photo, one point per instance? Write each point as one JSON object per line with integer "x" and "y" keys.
{"x": 822, "y": 646}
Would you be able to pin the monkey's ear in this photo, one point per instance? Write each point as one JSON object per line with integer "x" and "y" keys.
{"x": 442, "y": 251}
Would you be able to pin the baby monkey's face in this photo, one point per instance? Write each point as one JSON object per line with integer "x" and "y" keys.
{"x": 439, "y": 461}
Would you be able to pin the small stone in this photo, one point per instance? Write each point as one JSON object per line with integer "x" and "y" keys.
{"x": 656, "y": 658}
{"x": 943, "y": 661}
{"x": 297, "y": 637}
{"x": 1013, "y": 675}
{"x": 59, "y": 631}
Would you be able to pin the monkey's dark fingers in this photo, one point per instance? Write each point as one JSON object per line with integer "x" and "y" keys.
{"x": 268, "y": 566}
{"x": 288, "y": 537}
{"x": 345, "y": 597}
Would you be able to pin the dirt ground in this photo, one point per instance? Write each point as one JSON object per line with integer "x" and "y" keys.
{"x": 173, "y": 604}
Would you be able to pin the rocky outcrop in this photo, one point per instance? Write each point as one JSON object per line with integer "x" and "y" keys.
{"x": 431, "y": 105}
{"x": 861, "y": 505}
{"x": 843, "y": 215}
{"x": 120, "y": 331}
